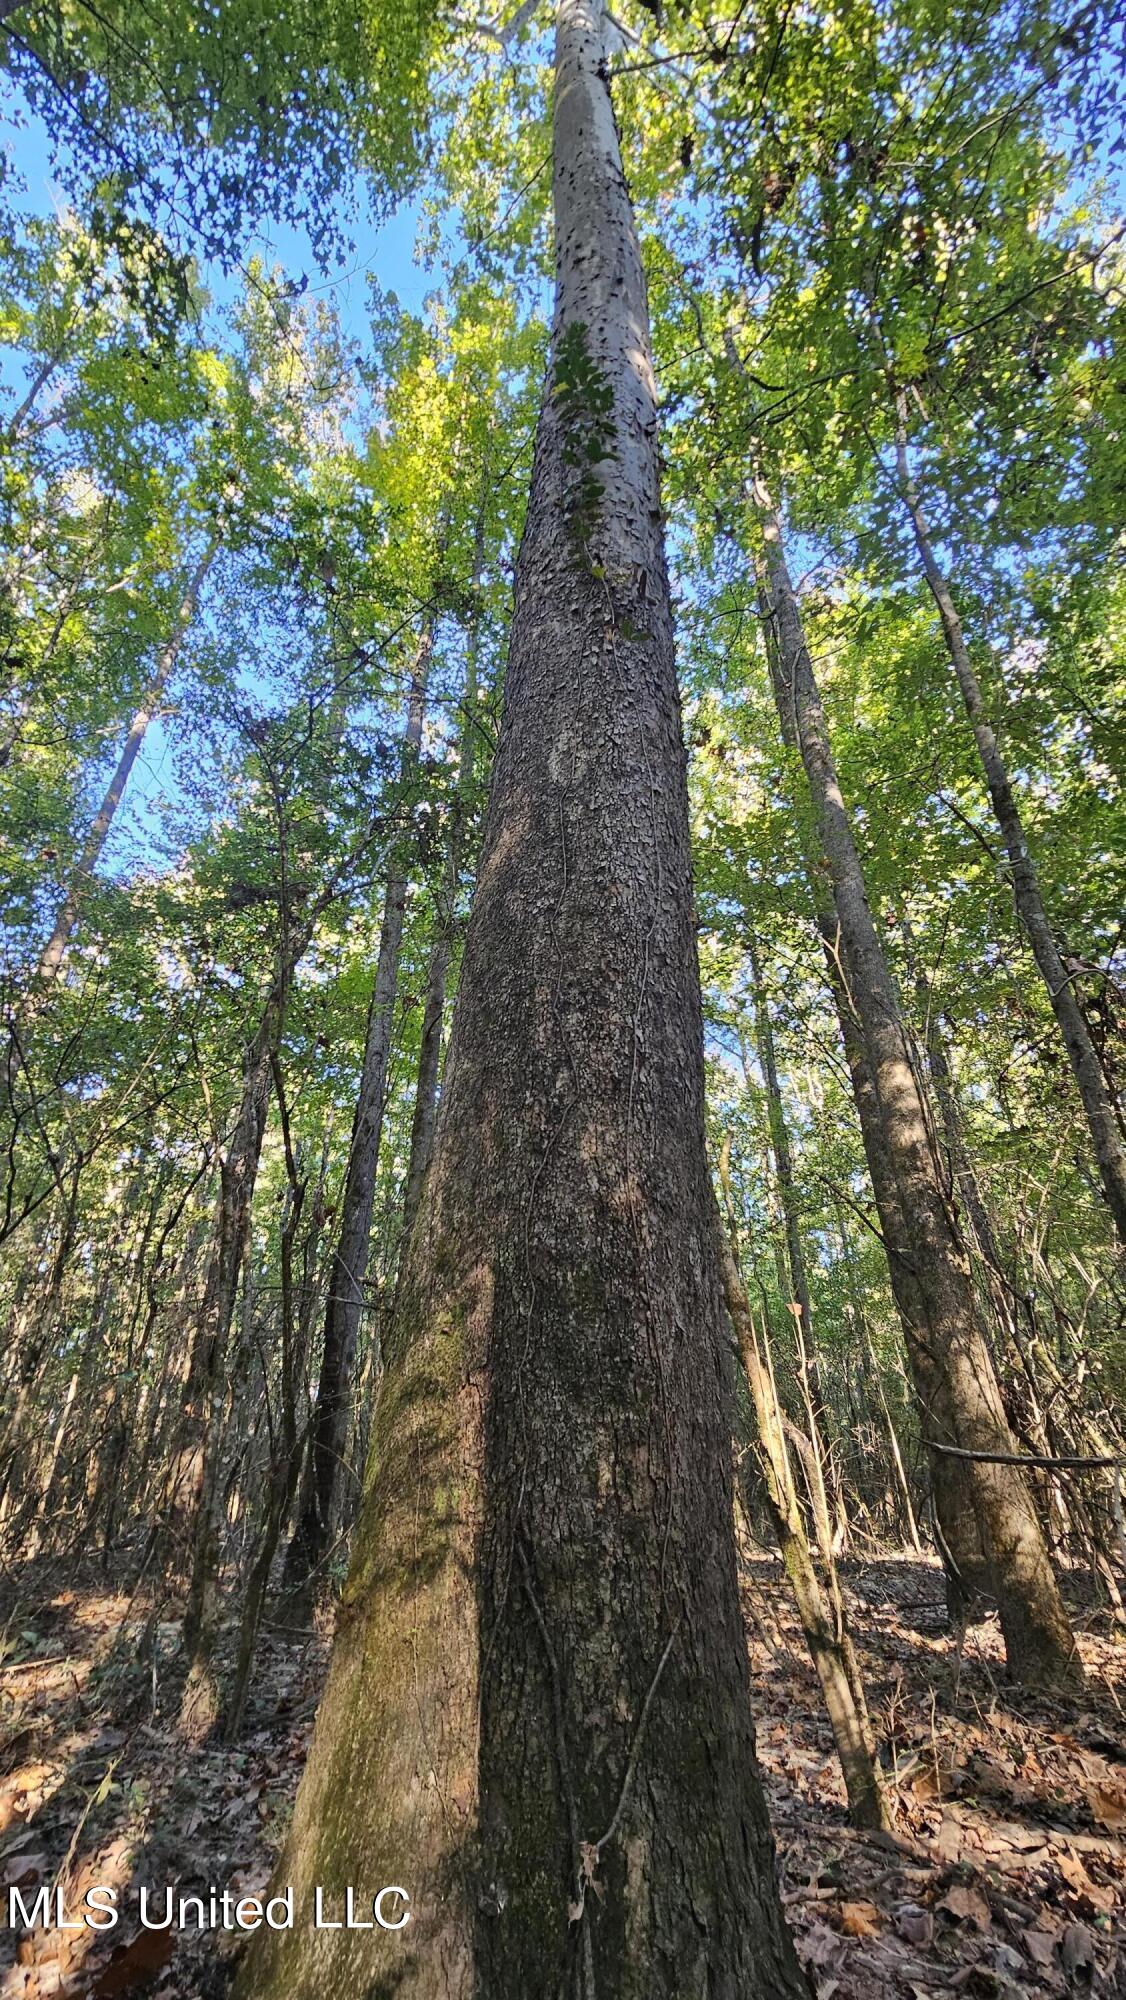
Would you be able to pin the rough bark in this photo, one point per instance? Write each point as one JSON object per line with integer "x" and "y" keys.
{"x": 537, "y": 1717}
{"x": 318, "y": 1504}
{"x": 1106, "y": 1134}
{"x": 54, "y": 951}
{"x": 980, "y": 1507}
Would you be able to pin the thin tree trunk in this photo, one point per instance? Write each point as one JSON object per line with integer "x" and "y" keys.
{"x": 34, "y": 1536}
{"x": 538, "y": 1714}
{"x": 980, "y": 1508}
{"x": 795, "y": 1252}
{"x": 54, "y": 951}
{"x": 430, "y": 1047}
{"x": 1106, "y": 1135}
{"x": 49, "y": 363}
{"x": 825, "y": 1634}
{"x": 37, "y": 1349}
{"x": 195, "y": 1498}
{"x": 964, "y": 1182}
{"x": 896, "y": 1452}
{"x": 318, "y": 1506}
{"x": 285, "y": 1462}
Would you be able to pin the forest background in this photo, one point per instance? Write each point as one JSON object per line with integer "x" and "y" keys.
{"x": 275, "y": 298}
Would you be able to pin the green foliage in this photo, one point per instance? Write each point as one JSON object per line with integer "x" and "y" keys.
{"x": 204, "y": 118}
{"x": 584, "y": 399}
{"x": 839, "y": 207}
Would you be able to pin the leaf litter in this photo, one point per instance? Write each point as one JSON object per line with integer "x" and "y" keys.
{"x": 1005, "y": 1877}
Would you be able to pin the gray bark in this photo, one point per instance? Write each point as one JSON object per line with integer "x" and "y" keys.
{"x": 538, "y": 1711}
{"x": 986, "y": 1512}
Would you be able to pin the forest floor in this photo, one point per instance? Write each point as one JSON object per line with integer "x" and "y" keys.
{"x": 1006, "y": 1876}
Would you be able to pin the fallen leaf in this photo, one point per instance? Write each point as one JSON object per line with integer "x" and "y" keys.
{"x": 1007, "y": 1960}
{"x": 861, "y": 1920}
{"x": 967, "y": 1906}
{"x": 1040, "y": 1946}
{"x": 1093, "y": 1898}
{"x": 22, "y": 1794}
{"x": 1073, "y": 1871}
{"x": 927, "y": 1783}
{"x": 20, "y": 1869}
{"x": 1077, "y": 1951}
{"x": 821, "y": 1947}
{"x": 914, "y": 1924}
{"x": 1108, "y": 1808}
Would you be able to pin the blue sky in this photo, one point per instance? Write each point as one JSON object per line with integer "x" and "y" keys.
{"x": 386, "y": 252}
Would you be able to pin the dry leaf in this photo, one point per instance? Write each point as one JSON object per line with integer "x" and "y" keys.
{"x": 1007, "y": 1960}
{"x": 1073, "y": 1871}
{"x": 1077, "y": 1951}
{"x": 1040, "y": 1946}
{"x": 927, "y": 1783}
{"x": 1108, "y": 1808}
{"x": 967, "y": 1906}
{"x": 22, "y": 1794}
{"x": 914, "y": 1924}
{"x": 821, "y": 1947}
{"x": 22, "y": 1869}
{"x": 1092, "y": 1896}
{"x": 861, "y": 1920}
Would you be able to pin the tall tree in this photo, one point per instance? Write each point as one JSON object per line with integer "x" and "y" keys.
{"x": 985, "y": 1506}
{"x": 318, "y": 1501}
{"x": 1059, "y": 981}
{"x": 538, "y": 1707}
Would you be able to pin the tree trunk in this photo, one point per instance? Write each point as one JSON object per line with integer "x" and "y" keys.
{"x": 538, "y": 1715}
{"x": 54, "y": 951}
{"x": 318, "y": 1504}
{"x": 285, "y": 1456}
{"x": 430, "y": 1047}
{"x": 1106, "y": 1135}
{"x": 979, "y": 1506}
{"x": 194, "y": 1500}
{"x": 893, "y": 1440}
{"x": 795, "y": 1251}
{"x": 826, "y": 1636}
